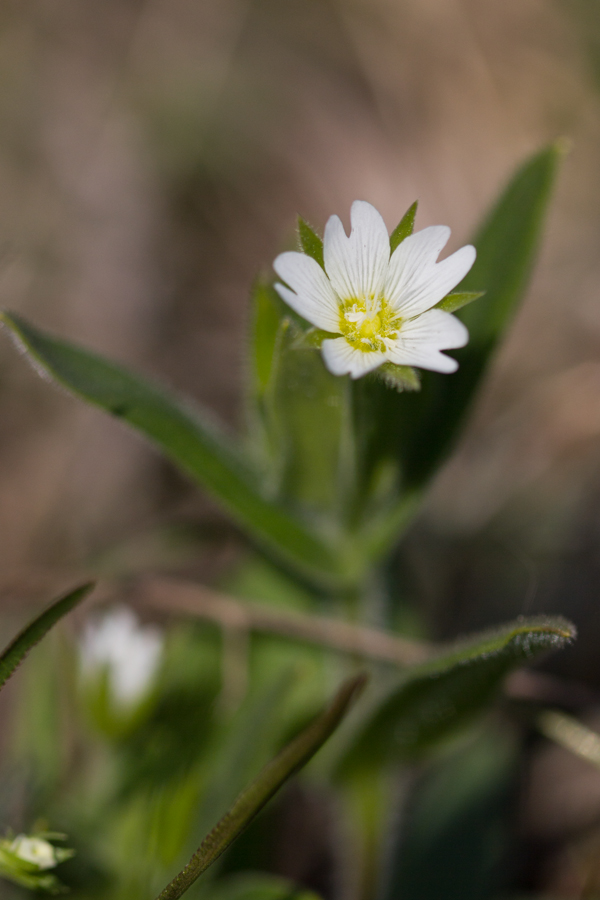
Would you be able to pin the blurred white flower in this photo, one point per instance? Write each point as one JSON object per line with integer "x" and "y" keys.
{"x": 34, "y": 850}
{"x": 379, "y": 304}
{"x": 131, "y": 653}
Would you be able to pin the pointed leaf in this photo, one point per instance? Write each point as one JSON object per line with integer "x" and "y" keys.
{"x": 291, "y": 759}
{"x": 404, "y": 227}
{"x": 418, "y": 431}
{"x": 452, "y": 302}
{"x": 189, "y": 438}
{"x": 310, "y": 242}
{"x": 18, "y": 648}
{"x": 434, "y": 700}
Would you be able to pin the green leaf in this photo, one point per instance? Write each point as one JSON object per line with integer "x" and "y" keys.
{"x": 399, "y": 378}
{"x": 404, "y": 227}
{"x": 18, "y": 649}
{"x": 189, "y": 438}
{"x": 291, "y": 759}
{"x": 417, "y": 432}
{"x": 434, "y": 700}
{"x": 310, "y": 242}
{"x": 452, "y": 302}
{"x": 507, "y": 244}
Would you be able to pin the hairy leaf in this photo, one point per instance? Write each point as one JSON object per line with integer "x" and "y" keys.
{"x": 435, "y": 699}
{"x": 291, "y": 759}
{"x": 18, "y": 648}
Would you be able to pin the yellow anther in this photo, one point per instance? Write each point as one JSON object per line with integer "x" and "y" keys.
{"x": 367, "y": 330}
{"x": 370, "y": 327}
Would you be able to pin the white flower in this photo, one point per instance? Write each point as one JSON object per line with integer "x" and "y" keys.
{"x": 131, "y": 653}
{"x": 380, "y": 305}
{"x": 34, "y": 850}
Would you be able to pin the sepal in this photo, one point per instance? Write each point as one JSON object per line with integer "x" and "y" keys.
{"x": 310, "y": 242}
{"x": 404, "y": 228}
{"x": 457, "y": 300}
{"x": 312, "y": 339}
{"x": 400, "y": 378}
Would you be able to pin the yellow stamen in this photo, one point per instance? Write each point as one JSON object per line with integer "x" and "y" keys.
{"x": 366, "y": 328}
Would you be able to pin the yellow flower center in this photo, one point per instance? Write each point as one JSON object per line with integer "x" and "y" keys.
{"x": 367, "y": 324}
{"x": 370, "y": 327}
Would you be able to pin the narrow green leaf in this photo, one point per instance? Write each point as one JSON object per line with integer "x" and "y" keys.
{"x": 434, "y": 700}
{"x": 507, "y": 244}
{"x": 18, "y": 649}
{"x": 189, "y": 438}
{"x": 273, "y": 776}
{"x": 452, "y": 302}
{"x": 417, "y": 432}
{"x": 310, "y": 242}
{"x": 399, "y": 378}
{"x": 404, "y": 227}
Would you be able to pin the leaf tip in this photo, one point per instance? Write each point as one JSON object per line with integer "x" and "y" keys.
{"x": 86, "y": 588}
{"x": 563, "y": 145}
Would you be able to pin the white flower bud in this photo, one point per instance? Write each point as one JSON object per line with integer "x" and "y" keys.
{"x": 34, "y": 850}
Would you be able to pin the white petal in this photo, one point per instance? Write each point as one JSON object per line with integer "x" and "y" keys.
{"x": 420, "y": 341}
{"x": 357, "y": 264}
{"x": 311, "y": 296}
{"x": 341, "y": 358}
{"x": 415, "y": 282}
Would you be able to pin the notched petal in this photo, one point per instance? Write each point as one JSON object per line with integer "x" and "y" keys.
{"x": 416, "y": 282}
{"x": 357, "y": 264}
{"x": 421, "y": 339}
{"x": 309, "y": 293}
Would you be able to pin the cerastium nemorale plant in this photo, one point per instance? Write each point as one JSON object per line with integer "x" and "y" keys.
{"x": 352, "y": 407}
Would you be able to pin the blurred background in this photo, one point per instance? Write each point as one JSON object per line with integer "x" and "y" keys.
{"x": 153, "y": 158}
